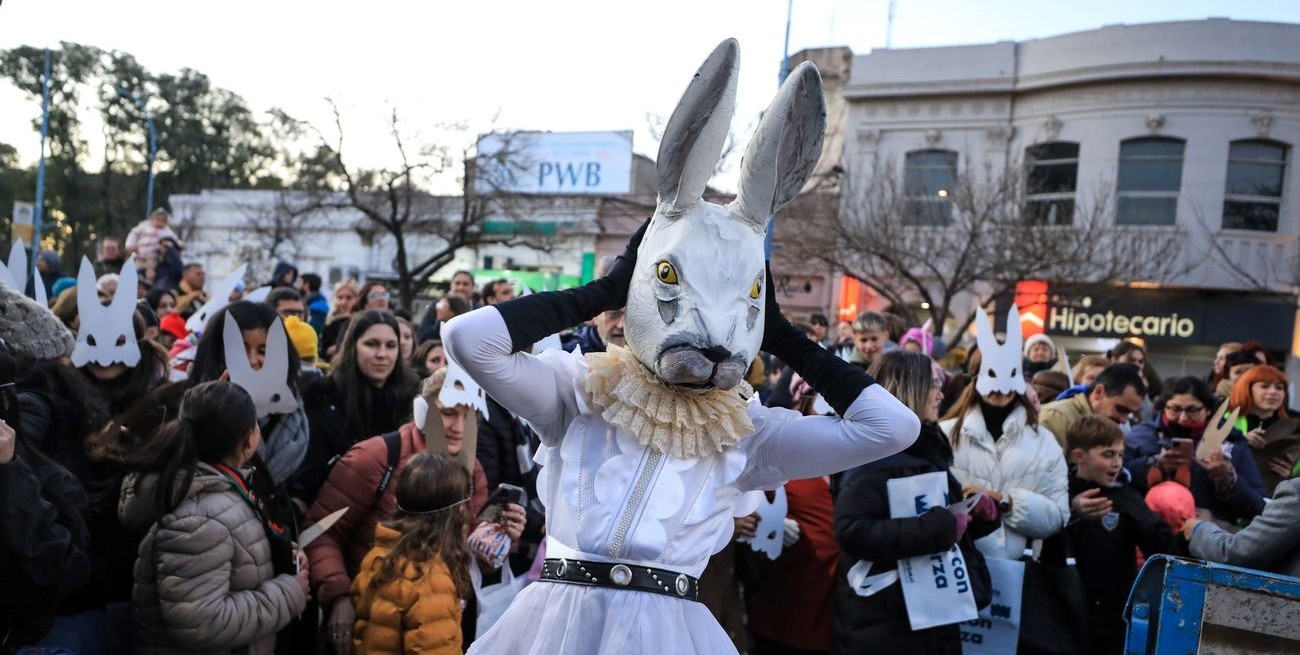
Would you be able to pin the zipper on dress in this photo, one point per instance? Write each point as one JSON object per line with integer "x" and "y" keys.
{"x": 634, "y": 503}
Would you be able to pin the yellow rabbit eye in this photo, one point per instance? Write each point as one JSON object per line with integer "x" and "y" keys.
{"x": 666, "y": 272}
{"x": 756, "y": 289}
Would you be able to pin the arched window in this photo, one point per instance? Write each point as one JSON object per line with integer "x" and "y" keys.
{"x": 1150, "y": 175}
{"x": 929, "y": 180}
{"x": 1051, "y": 178}
{"x": 1253, "y": 197}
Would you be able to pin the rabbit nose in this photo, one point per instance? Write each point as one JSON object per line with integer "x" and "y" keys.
{"x": 716, "y": 354}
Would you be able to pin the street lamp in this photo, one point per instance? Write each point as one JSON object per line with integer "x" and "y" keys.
{"x": 153, "y": 142}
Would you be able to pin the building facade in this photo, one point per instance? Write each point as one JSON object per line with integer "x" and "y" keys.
{"x": 1183, "y": 128}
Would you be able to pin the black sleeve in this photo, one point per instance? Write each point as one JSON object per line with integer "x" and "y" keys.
{"x": 1153, "y": 535}
{"x": 323, "y": 447}
{"x": 488, "y": 449}
{"x": 428, "y": 325}
{"x": 865, "y": 530}
{"x": 45, "y": 545}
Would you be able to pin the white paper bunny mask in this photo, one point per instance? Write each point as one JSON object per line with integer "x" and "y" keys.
{"x": 1000, "y": 364}
{"x": 269, "y": 385}
{"x": 107, "y": 333}
{"x": 15, "y": 274}
{"x": 695, "y": 306}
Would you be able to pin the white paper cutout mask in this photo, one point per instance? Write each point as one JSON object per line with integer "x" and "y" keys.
{"x": 460, "y": 389}
{"x": 1000, "y": 363}
{"x": 107, "y": 333}
{"x": 219, "y": 298}
{"x": 770, "y": 531}
{"x": 696, "y": 302}
{"x": 268, "y": 385}
{"x": 14, "y": 275}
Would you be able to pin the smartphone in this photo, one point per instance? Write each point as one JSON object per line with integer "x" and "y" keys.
{"x": 1183, "y": 446}
{"x": 505, "y": 494}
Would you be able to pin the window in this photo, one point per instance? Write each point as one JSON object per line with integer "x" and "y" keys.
{"x": 1150, "y": 174}
{"x": 929, "y": 179}
{"x": 1253, "y": 198}
{"x": 1050, "y": 183}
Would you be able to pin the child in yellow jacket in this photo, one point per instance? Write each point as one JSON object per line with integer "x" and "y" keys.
{"x": 409, "y": 591}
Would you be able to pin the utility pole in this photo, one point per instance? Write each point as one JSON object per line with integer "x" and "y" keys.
{"x": 785, "y": 52}
{"x": 39, "y": 214}
{"x": 889, "y": 25}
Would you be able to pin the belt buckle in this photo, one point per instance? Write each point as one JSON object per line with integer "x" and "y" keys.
{"x": 683, "y": 584}
{"x": 563, "y": 568}
{"x": 620, "y": 575}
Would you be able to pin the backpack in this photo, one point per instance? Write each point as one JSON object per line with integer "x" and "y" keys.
{"x": 393, "y": 442}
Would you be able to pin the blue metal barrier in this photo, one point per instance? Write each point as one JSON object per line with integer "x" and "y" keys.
{"x": 1181, "y": 606}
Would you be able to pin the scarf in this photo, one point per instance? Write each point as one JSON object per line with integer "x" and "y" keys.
{"x": 681, "y": 423}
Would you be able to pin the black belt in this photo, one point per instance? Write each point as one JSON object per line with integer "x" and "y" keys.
{"x": 622, "y": 576}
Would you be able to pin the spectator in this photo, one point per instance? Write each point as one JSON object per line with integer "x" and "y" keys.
{"x": 1049, "y": 384}
{"x": 111, "y": 255}
{"x": 368, "y": 392}
{"x": 106, "y": 285}
{"x": 142, "y": 240}
{"x": 1260, "y": 396}
{"x": 336, "y": 324}
{"x": 318, "y": 308}
{"x": 428, "y": 358}
{"x": 1116, "y": 394}
{"x": 406, "y": 338}
{"x": 412, "y": 584}
{"x": 821, "y": 328}
{"x": 1271, "y": 542}
{"x": 844, "y": 345}
{"x": 1110, "y": 521}
{"x": 447, "y": 308}
{"x": 462, "y": 284}
{"x": 356, "y": 482}
{"x": 866, "y": 530}
{"x": 605, "y": 329}
{"x": 374, "y": 295}
{"x": 216, "y": 574}
{"x": 870, "y": 332}
{"x": 286, "y": 302}
{"x": 191, "y": 296}
{"x": 1217, "y": 371}
{"x": 1235, "y": 365}
{"x": 499, "y": 290}
{"x": 1227, "y": 484}
{"x": 304, "y": 341}
{"x": 47, "y": 269}
{"x": 1026, "y": 476}
{"x": 284, "y": 275}
{"x": 169, "y": 268}
{"x": 1039, "y": 355}
{"x": 1087, "y": 369}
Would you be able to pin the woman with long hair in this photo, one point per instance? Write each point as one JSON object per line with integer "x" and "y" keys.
{"x": 342, "y": 307}
{"x": 215, "y": 573}
{"x": 879, "y": 623}
{"x": 123, "y": 385}
{"x": 411, "y": 585}
{"x": 367, "y": 393}
{"x": 999, "y": 448}
{"x": 1260, "y": 396}
{"x": 428, "y": 358}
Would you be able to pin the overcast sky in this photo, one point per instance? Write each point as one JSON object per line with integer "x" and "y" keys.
{"x": 561, "y": 65}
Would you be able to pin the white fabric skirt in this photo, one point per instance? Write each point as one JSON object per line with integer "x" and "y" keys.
{"x": 555, "y": 618}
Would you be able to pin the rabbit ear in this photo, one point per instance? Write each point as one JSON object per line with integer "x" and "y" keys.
{"x": 220, "y": 298}
{"x": 89, "y": 313}
{"x": 275, "y": 369}
{"x": 928, "y": 326}
{"x": 241, "y": 372}
{"x": 1014, "y": 343}
{"x": 697, "y": 130}
{"x": 985, "y": 340}
{"x": 785, "y": 148}
{"x": 18, "y": 266}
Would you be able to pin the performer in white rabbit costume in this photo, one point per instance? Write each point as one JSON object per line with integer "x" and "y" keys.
{"x": 648, "y": 453}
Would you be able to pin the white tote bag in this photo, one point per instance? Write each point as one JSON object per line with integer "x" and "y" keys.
{"x": 493, "y": 600}
{"x": 997, "y": 630}
{"x": 937, "y": 588}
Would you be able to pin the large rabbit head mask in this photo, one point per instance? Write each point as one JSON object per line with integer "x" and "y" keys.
{"x": 696, "y": 302}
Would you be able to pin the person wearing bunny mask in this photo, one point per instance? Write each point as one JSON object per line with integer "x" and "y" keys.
{"x": 649, "y": 452}
{"x": 999, "y": 447}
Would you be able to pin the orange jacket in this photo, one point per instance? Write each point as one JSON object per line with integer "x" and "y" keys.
{"x": 417, "y": 612}
{"x": 335, "y": 556}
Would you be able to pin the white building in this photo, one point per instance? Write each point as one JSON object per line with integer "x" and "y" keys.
{"x": 1185, "y": 124}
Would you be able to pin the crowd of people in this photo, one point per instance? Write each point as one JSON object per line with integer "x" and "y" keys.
{"x": 151, "y": 504}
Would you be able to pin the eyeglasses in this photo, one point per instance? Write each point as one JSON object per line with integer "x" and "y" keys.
{"x": 614, "y": 314}
{"x": 377, "y": 295}
{"x": 1175, "y": 410}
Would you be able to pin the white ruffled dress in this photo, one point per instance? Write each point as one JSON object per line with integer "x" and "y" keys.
{"x": 610, "y": 499}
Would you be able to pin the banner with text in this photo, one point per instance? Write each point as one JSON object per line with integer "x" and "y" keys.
{"x": 555, "y": 163}
{"x": 937, "y": 587}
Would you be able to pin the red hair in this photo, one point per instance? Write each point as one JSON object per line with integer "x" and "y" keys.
{"x": 1241, "y": 397}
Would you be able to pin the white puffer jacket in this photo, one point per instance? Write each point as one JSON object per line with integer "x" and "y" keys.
{"x": 1027, "y": 464}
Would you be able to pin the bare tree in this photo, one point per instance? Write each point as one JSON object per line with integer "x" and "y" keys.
{"x": 280, "y": 226}
{"x": 978, "y": 238}
{"x": 428, "y": 229}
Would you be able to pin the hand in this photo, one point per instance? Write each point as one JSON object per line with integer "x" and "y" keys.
{"x": 8, "y": 438}
{"x": 746, "y": 526}
{"x": 985, "y": 509}
{"x": 1170, "y": 460}
{"x": 972, "y": 489}
{"x": 963, "y": 520}
{"x": 342, "y": 618}
{"x": 1256, "y": 438}
{"x": 1282, "y": 466}
{"x": 1188, "y": 526}
{"x": 791, "y": 533}
{"x": 1217, "y": 466}
{"x": 303, "y": 573}
{"x": 1091, "y": 505}
{"x": 512, "y": 520}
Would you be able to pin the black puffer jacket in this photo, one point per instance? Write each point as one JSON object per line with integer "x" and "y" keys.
{"x": 44, "y": 542}
{"x": 879, "y": 623}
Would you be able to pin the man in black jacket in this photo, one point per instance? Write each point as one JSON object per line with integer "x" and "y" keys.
{"x": 505, "y": 449}
{"x": 1109, "y": 522}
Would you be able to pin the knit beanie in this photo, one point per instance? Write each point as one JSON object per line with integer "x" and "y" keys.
{"x": 922, "y": 338}
{"x": 1039, "y": 338}
{"x": 303, "y": 337}
{"x": 31, "y": 329}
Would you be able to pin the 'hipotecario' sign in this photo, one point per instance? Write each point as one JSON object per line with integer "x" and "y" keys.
{"x": 555, "y": 162}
